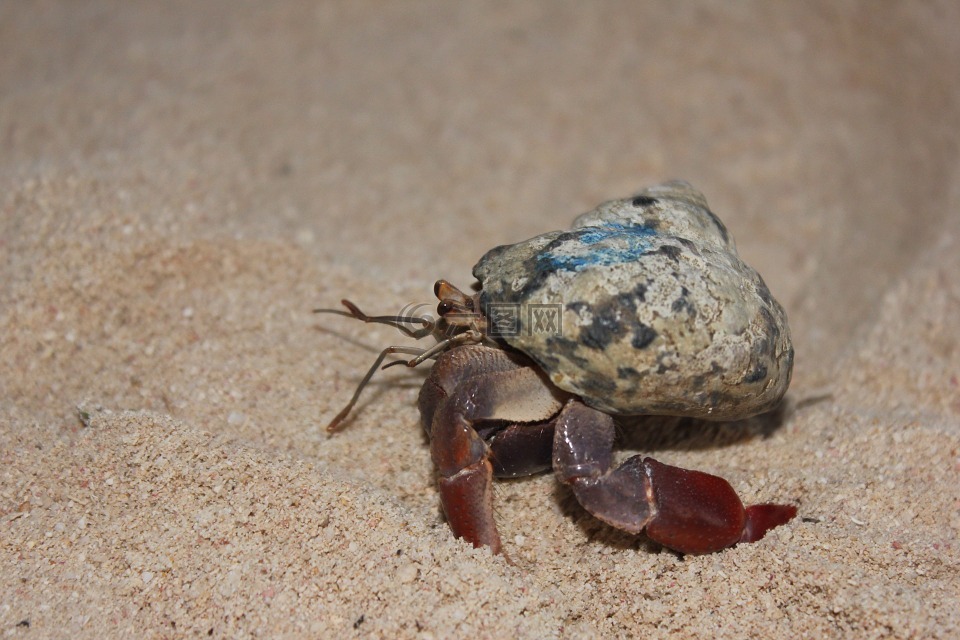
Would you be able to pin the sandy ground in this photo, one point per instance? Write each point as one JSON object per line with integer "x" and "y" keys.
{"x": 181, "y": 183}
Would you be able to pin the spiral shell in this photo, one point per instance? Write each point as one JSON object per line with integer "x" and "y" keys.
{"x": 643, "y": 307}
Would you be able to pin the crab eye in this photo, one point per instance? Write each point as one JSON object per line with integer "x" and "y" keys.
{"x": 445, "y": 307}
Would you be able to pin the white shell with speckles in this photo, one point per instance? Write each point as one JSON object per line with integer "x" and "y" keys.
{"x": 657, "y": 312}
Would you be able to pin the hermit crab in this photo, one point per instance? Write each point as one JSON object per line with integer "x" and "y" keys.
{"x": 642, "y": 308}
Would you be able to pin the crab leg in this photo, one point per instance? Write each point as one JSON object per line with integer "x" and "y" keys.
{"x": 521, "y": 449}
{"x": 688, "y": 511}
{"x": 499, "y": 389}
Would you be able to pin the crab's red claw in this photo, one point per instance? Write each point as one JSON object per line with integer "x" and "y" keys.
{"x": 685, "y": 510}
{"x": 695, "y": 512}
{"x": 700, "y": 513}
{"x": 763, "y": 517}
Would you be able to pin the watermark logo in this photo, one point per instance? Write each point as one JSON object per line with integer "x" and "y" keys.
{"x": 510, "y": 319}
{"x": 545, "y": 319}
{"x": 504, "y": 319}
{"x": 413, "y": 320}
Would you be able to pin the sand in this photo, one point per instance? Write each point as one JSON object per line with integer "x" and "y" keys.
{"x": 181, "y": 183}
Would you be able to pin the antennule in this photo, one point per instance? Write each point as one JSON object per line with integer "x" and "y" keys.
{"x": 397, "y": 322}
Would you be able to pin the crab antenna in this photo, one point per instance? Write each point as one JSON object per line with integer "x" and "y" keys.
{"x": 397, "y": 322}
{"x": 335, "y": 423}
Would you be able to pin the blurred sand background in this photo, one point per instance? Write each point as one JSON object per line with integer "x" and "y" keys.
{"x": 180, "y": 183}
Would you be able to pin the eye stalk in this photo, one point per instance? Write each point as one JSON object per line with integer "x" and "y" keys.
{"x": 447, "y": 292}
{"x": 458, "y": 310}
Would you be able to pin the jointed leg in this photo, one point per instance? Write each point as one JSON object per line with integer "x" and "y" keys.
{"x": 494, "y": 391}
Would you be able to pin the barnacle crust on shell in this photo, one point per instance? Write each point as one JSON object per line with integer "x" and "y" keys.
{"x": 643, "y": 307}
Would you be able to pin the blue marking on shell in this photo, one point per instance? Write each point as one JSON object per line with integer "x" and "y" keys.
{"x": 630, "y": 242}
